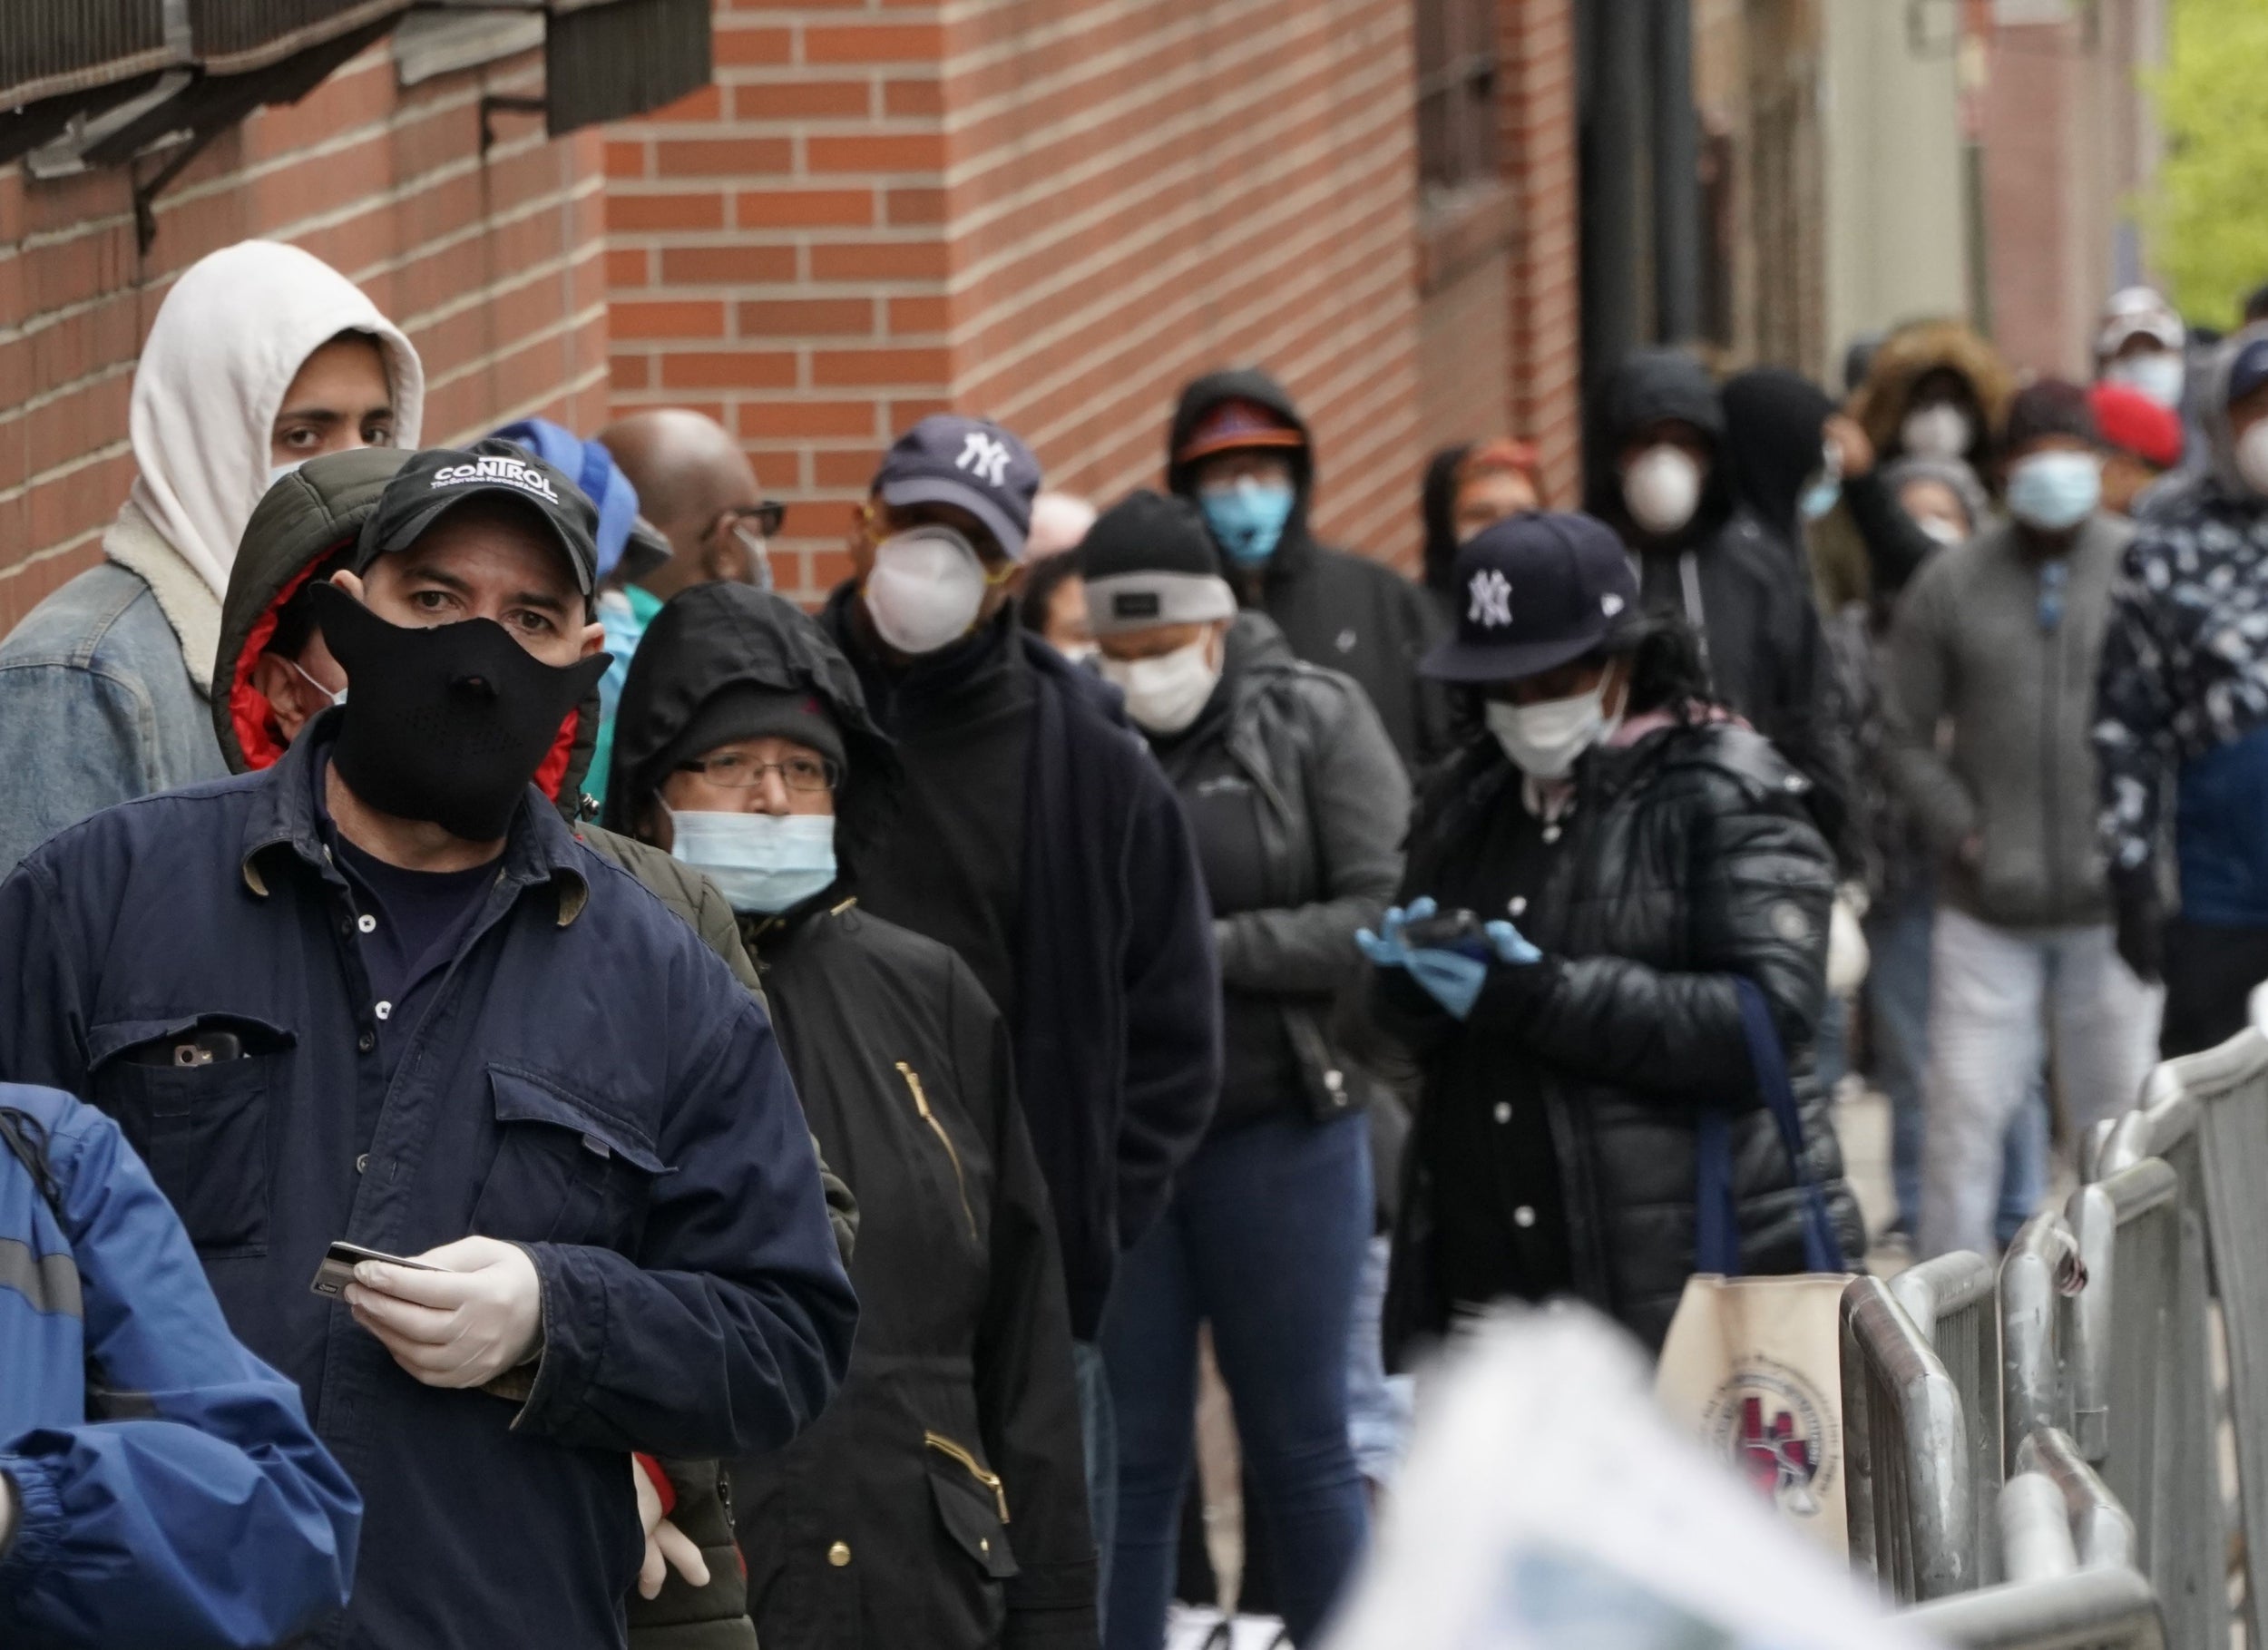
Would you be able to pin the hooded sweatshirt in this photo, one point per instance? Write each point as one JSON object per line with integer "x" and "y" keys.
{"x": 1340, "y": 610}
{"x": 1738, "y": 583}
{"x": 907, "y": 1077}
{"x": 2182, "y": 699}
{"x": 103, "y": 686}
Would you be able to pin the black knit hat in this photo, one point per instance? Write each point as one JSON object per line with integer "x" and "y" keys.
{"x": 749, "y": 710}
{"x": 2052, "y": 406}
{"x": 1147, "y": 560}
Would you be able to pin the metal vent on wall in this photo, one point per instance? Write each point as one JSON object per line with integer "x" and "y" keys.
{"x": 49, "y": 48}
{"x": 610, "y": 60}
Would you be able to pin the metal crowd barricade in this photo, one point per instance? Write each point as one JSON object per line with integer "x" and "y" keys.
{"x": 1905, "y": 1450}
{"x": 2038, "y": 1275}
{"x": 1952, "y": 1301}
{"x": 2070, "y": 1548}
{"x": 2206, "y": 1116}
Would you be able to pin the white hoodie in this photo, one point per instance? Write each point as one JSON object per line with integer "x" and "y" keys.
{"x": 228, "y": 341}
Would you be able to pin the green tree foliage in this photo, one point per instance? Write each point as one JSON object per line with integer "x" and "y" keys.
{"x": 2211, "y": 214}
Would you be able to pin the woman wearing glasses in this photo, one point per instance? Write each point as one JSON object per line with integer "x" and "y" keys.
{"x": 945, "y": 1485}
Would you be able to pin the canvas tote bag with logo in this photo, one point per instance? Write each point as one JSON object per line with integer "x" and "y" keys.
{"x": 1753, "y": 1366}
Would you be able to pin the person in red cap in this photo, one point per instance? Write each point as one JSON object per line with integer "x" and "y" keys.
{"x": 2142, "y": 440}
{"x": 1239, "y": 451}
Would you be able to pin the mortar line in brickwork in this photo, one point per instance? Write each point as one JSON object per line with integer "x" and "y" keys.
{"x": 565, "y": 325}
{"x": 38, "y": 399}
{"x": 589, "y": 378}
{"x": 516, "y": 280}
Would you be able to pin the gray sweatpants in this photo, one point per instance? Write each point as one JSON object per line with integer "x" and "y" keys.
{"x": 1997, "y": 996}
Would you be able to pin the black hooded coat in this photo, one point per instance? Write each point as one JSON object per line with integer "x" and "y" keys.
{"x": 949, "y": 1473}
{"x": 1739, "y": 583}
{"x": 1338, "y": 610}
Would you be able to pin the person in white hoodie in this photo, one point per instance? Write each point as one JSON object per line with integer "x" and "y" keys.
{"x": 262, "y": 357}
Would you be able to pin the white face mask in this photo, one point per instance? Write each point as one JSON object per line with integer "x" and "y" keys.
{"x": 276, "y": 473}
{"x": 2159, "y": 375}
{"x": 1939, "y": 431}
{"x": 2252, "y": 456}
{"x": 1944, "y": 532}
{"x": 759, "y": 861}
{"x": 1165, "y": 694}
{"x": 1661, "y": 487}
{"x": 925, "y": 590}
{"x": 1545, "y": 740}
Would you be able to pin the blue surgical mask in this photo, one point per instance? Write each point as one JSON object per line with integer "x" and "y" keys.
{"x": 1248, "y": 519}
{"x": 761, "y": 862}
{"x": 2055, "y": 492}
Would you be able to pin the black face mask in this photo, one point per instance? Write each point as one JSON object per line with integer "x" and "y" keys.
{"x": 447, "y": 723}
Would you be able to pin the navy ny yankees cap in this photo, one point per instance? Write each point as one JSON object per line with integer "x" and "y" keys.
{"x": 1534, "y": 591}
{"x": 971, "y": 462}
{"x": 436, "y": 480}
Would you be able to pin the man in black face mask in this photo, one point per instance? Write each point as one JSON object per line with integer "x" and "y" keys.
{"x": 379, "y": 993}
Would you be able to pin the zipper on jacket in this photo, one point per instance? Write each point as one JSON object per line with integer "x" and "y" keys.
{"x": 921, "y": 1104}
{"x": 991, "y": 1481}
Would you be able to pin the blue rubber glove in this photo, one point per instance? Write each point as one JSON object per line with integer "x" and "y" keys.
{"x": 1449, "y": 978}
{"x": 1386, "y": 950}
{"x": 1512, "y": 945}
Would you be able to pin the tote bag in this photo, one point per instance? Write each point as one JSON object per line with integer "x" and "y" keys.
{"x": 1753, "y": 1366}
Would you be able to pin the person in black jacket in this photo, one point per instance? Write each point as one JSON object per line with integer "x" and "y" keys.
{"x": 1609, "y": 859}
{"x": 1667, "y": 487}
{"x": 1035, "y": 837}
{"x": 946, "y": 1485}
{"x": 1298, "y": 806}
{"x": 1239, "y": 451}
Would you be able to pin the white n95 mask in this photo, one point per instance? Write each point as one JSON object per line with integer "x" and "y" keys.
{"x": 924, "y": 589}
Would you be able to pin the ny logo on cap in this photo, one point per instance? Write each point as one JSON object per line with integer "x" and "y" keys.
{"x": 1491, "y": 599}
{"x": 986, "y": 457}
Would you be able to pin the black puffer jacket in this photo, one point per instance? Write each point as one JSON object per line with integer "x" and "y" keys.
{"x": 1338, "y": 610}
{"x": 1737, "y": 581}
{"x": 1690, "y": 860}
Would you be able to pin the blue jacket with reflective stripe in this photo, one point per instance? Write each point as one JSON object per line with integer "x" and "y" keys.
{"x": 210, "y": 1517}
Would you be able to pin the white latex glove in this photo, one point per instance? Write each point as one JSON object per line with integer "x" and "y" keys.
{"x": 464, "y": 1325}
{"x": 665, "y": 1544}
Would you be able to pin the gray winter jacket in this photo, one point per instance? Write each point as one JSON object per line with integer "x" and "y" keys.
{"x": 1973, "y": 648}
{"x": 1335, "y": 807}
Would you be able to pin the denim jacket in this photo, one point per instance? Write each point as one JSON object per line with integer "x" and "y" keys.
{"x": 97, "y": 706}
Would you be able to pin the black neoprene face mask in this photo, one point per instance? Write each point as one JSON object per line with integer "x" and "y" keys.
{"x": 446, "y": 724}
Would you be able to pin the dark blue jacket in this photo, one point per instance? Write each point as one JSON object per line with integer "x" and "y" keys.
{"x": 205, "y": 1515}
{"x": 587, "y": 1080}
{"x": 1117, "y": 986}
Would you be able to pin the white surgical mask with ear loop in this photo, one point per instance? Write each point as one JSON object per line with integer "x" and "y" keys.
{"x": 339, "y": 698}
{"x": 1661, "y": 487}
{"x": 1546, "y": 740}
{"x": 1938, "y": 431}
{"x": 759, "y": 861}
{"x": 1164, "y": 695}
{"x": 924, "y": 589}
{"x": 2252, "y": 456}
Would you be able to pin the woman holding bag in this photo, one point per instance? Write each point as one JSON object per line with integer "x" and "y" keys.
{"x": 1593, "y": 884}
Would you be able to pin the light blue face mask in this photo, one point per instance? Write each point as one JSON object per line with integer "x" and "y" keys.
{"x": 1822, "y": 496}
{"x": 760, "y": 862}
{"x": 1248, "y": 519}
{"x": 276, "y": 473}
{"x": 2054, "y": 492}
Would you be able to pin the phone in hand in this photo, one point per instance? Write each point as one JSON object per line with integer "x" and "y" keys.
{"x": 1456, "y": 931}
{"x": 338, "y": 1269}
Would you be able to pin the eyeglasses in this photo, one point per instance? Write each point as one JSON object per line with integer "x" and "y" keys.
{"x": 739, "y": 773}
{"x": 763, "y": 518}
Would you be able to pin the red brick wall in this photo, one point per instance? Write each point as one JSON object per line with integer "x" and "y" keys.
{"x": 495, "y": 271}
{"x": 1049, "y": 214}
{"x": 777, "y": 256}
{"x": 1536, "y": 59}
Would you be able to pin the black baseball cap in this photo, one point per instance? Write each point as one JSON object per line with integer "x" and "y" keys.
{"x": 972, "y": 462}
{"x": 2248, "y": 364}
{"x": 437, "y": 480}
{"x": 1534, "y": 591}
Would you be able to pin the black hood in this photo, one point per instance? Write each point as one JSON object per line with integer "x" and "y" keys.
{"x": 1776, "y": 424}
{"x": 1437, "y": 510}
{"x": 1200, "y": 396}
{"x": 725, "y": 634}
{"x": 1650, "y": 385}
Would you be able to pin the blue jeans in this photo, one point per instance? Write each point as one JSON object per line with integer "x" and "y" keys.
{"x": 1265, "y": 1240}
{"x": 1099, "y": 1433}
{"x": 1898, "y": 998}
